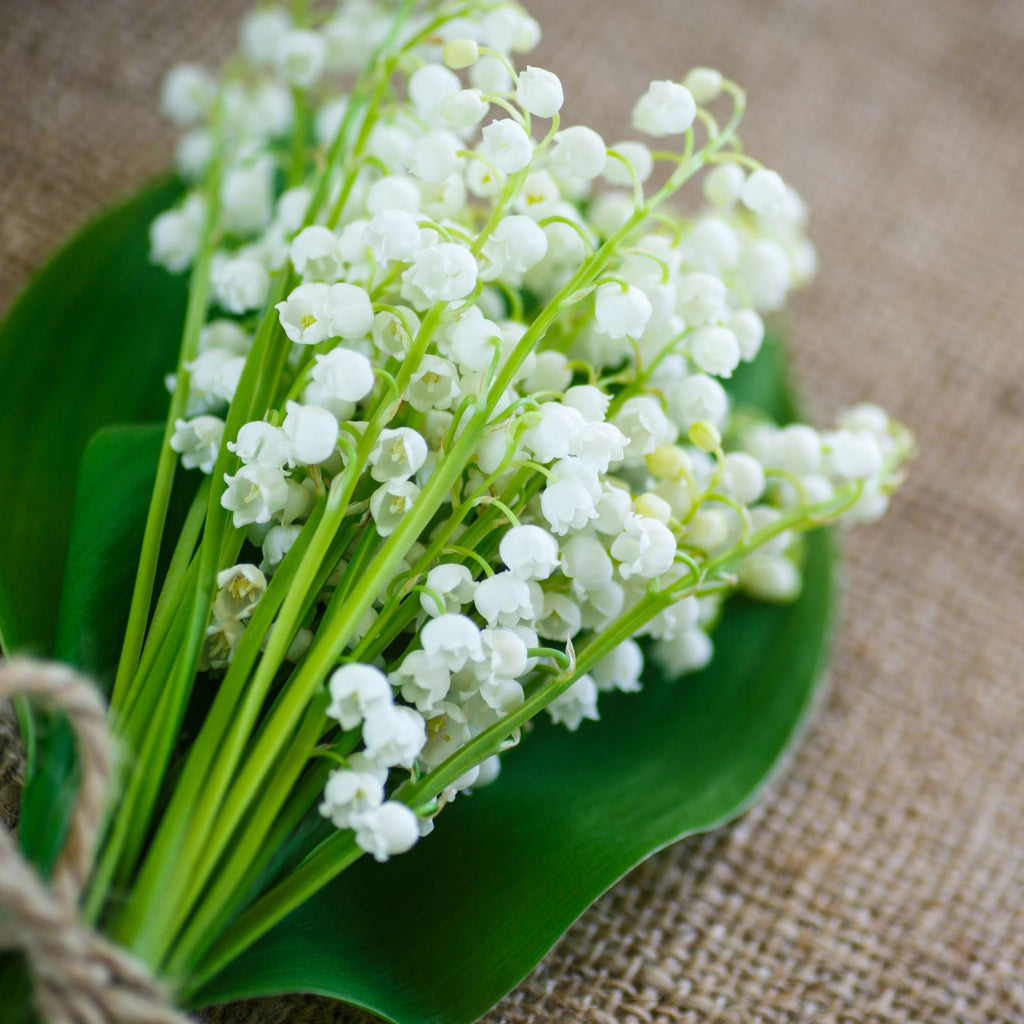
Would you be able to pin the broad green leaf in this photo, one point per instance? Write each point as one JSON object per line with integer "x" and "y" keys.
{"x": 439, "y": 935}
{"x": 114, "y": 484}
{"x": 87, "y": 343}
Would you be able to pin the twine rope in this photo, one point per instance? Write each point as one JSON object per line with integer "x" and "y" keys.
{"x": 79, "y": 977}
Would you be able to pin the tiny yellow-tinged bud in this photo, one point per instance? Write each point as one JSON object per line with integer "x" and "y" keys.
{"x": 669, "y": 462}
{"x": 705, "y": 436}
{"x": 460, "y": 53}
{"x": 654, "y": 507}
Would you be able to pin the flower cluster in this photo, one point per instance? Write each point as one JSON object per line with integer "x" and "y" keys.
{"x": 496, "y": 449}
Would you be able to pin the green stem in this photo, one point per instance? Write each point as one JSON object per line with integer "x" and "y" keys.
{"x": 156, "y": 517}
{"x": 234, "y": 876}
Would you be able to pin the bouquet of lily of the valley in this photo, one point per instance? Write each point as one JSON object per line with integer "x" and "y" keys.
{"x": 473, "y": 435}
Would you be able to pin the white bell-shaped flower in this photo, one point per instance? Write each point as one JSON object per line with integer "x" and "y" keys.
{"x": 452, "y": 641}
{"x": 393, "y": 334}
{"x": 644, "y": 423}
{"x": 254, "y": 494}
{"x": 389, "y": 504}
{"x": 667, "y": 108}
{"x": 723, "y": 184}
{"x": 505, "y": 655}
{"x": 646, "y": 548}
{"x": 567, "y": 505}
{"x": 490, "y": 74}
{"x": 579, "y": 152}
{"x": 312, "y": 431}
{"x": 854, "y": 454}
{"x": 394, "y": 735}
{"x": 422, "y": 682}
{"x": 262, "y": 443}
{"x": 452, "y": 583}
{"x": 769, "y": 577}
{"x": 743, "y": 477}
{"x": 434, "y": 385}
{"x": 240, "y": 284}
{"x": 464, "y": 109}
{"x": 387, "y": 830}
{"x": 398, "y": 454}
{"x": 225, "y": 335}
{"x": 599, "y": 445}
{"x": 357, "y": 691}
{"x": 442, "y": 272}
{"x": 303, "y": 315}
{"x": 621, "y": 312}
{"x": 708, "y": 529}
{"x": 620, "y": 669}
{"x": 175, "y": 235}
{"x": 215, "y": 374}
{"x": 555, "y": 433}
{"x": 350, "y": 793}
{"x": 560, "y": 618}
{"x": 551, "y": 372}
{"x": 540, "y": 92}
{"x": 428, "y": 88}
{"x": 576, "y": 704}
{"x": 348, "y": 308}
{"x": 505, "y": 144}
{"x": 688, "y": 652}
{"x": 586, "y": 563}
{"x": 627, "y": 162}
{"x": 276, "y": 545}
{"x": 198, "y": 441}
{"x": 749, "y": 330}
{"x": 187, "y": 94}
{"x": 613, "y": 509}
{"x": 798, "y": 449}
{"x": 705, "y": 84}
{"x": 433, "y": 158}
{"x": 239, "y": 589}
{"x": 697, "y": 398}
{"x": 472, "y": 343}
{"x": 715, "y": 350}
{"x": 247, "y": 198}
{"x": 394, "y": 192}
{"x": 765, "y": 273}
{"x": 301, "y": 57}
{"x": 529, "y": 551}
{"x": 503, "y": 599}
{"x": 315, "y": 255}
{"x": 341, "y": 375}
{"x": 515, "y": 245}
{"x": 700, "y": 298}
{"x": 765, "y": 193}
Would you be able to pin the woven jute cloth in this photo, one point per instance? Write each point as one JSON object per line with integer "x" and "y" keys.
{"x": 882, "y": 876}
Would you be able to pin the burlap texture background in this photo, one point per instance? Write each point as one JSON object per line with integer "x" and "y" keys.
{"x": 882, "y": 877}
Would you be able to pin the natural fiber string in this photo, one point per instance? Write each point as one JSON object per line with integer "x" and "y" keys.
{"x": 79, "y": 977}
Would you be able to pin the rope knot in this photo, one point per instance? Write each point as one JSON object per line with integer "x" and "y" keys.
{"x": 79, "y": 977}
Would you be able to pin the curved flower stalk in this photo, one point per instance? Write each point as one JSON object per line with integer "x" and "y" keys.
{"x": 454, "y": 373}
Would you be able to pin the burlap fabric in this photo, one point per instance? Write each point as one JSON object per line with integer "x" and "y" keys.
{"x": 882, "y": 877}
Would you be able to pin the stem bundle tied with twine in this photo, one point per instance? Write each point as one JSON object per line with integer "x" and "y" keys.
{"x": 79, "y": 977}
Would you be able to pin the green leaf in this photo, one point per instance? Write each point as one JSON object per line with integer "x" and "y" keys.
{"x": 87, "y": 343}
{"x": 114, "y": 487}
{"x": 438, "y": 935}
{"x": 115, "y": 481}
{"x": 441, "y": 933}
